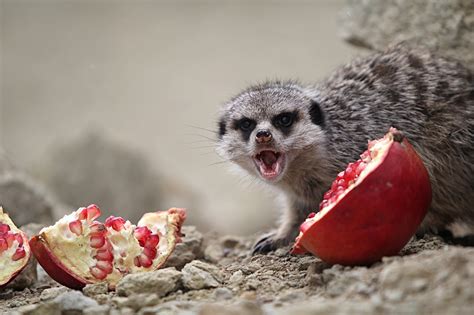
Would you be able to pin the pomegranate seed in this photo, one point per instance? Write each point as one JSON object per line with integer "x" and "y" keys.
{"x": 76, "y": 227}
{"x": 3, "y": 245}
{"x": 115, "y": 222}
{"x": 97, "y": 241}
{"x": 341, "y": 184}
{"x": 340, "y": 175}
{"x": 149, "y": 252}
{"x": 334, "y": 185}
{"x": 82, "y": 213}
{"x": 142, "y": 233}
{"x": 90, "y": 213}
{"x": 4, "y": 228}
{"x": 327, "y": 194}
{"x": 360, "y": 168}
{"x": 333, "y": 199}
{"x": 311, "y": 215}
{"x": 323, "y": 204}
{"x": 10, "y": 238}
{"x": 19, "y": 239}
{"x": 104, "y": 266}
{"x": 19, "y": 254}
{"x": 152, "y": 241}
{"x": 98, "y": 273}
{"x": 145, "y": 261}
{"x": 104, "y": 254}
{"x": 97, "y": 228}
{"x": 136, "y": 261}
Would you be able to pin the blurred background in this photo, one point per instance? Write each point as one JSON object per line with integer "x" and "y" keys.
{"x": 115, "y": 102}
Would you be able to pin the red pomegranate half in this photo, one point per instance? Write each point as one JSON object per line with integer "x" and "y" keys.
{"x": 78, "y": 250}
{"x": 14, "y": 249}
{"x": 373, "y": 207}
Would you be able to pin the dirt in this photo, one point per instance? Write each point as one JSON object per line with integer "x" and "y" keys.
{"x": 220, "y": 277}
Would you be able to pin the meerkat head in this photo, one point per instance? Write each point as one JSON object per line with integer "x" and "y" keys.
{"x": 271, "y": 129}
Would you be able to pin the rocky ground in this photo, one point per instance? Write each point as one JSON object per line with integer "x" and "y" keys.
{"x": 216, "y": 275}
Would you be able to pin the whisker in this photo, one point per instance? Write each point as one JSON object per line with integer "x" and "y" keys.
{"x": 201, "y": 128}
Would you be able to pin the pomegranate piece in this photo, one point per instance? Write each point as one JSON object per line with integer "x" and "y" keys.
{"x": 77, "y": 250}
{"x": 14, "y": 249}
{"x": 373, "y": 207}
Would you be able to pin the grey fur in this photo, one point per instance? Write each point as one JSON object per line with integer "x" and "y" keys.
{"x": 429, "y": 98}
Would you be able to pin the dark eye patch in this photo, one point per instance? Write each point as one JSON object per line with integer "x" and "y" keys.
{"x": 316, "y": 113}
{"x": 222, "y": 128}
{"x": 284, "y": 121}
{"x": 246, "y": 126}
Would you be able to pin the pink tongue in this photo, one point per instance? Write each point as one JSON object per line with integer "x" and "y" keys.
{"x": 268, "y": 157}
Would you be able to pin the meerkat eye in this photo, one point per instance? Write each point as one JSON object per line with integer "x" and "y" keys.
{"x": 284, "y": 120}
{"x": 246, "y": 124}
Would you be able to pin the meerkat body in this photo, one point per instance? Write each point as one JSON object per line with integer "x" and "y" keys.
{"x": 297, "y": 138}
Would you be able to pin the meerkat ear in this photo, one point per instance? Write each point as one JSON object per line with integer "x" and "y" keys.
{"x": 316, "y": 113}
{"x": 222, "y": 128}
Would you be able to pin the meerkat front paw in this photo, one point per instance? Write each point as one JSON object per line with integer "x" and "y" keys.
{"x": 269, "y": 242}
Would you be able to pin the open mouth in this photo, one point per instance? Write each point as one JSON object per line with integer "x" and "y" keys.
{"x": 270, "y": 164}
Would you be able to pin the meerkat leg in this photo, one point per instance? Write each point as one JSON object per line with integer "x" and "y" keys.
{"x": 286, "y": 233}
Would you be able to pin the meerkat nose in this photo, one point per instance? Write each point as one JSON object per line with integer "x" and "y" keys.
{"x": 263, "y": 136}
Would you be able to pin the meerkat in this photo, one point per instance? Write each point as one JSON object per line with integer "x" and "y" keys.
{"x": 297, "y": 138}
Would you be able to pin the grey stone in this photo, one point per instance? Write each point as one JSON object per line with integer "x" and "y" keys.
{"x": 447, "y": 26}
{"x": 74, "y": 301}
{"x": 244, "y": 307}
{"x": 200, "y": 275}
{"x": 237, "y": 278}
{"x": 51, "y": 293}
{"x": 161, "y": 282}
{"x": 172, "y": 308}
{"x": 41, "y": 309}
{"x": 27, "y": 201}
{"x": 136, "y": 301}
{"x": 94, "y": 168}
{"x": 188, "y": 250}
{"x": 97, "y": 310}
{"x": 92, "y": 290}
{"x": 221, "y": 294}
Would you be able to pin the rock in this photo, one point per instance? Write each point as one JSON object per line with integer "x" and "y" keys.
{"x": 74, "y": 301}
{"x": 136, "y": 301}
{"x": 97, "y": 310}
{"x": 94, "y": 168}
{"x": 438, "y": 275}
{"x": 237, "y": 278}
{"x": 172, "y": 308}
{"x": 92, "y": 290}
{"x": 41, "y": 309}
{"x": 221, "y": 294}
{"x": 161, "y": 282}
{"x": 188, "y": 250}
{"x": 245, "y": 307}
{"x": 200, "y": 275}
{"x": 27, "y": 201}
{"x": 447, "y": 26}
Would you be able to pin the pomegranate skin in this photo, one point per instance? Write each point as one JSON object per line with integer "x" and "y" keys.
{"x": 378, "y": 216}
{"x": 53, "y": 266}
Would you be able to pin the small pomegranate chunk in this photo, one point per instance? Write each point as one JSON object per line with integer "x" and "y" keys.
{"x": 14, "y": 249}
{"x": 78, "y": 250}
{"x": 373, "y": 207}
